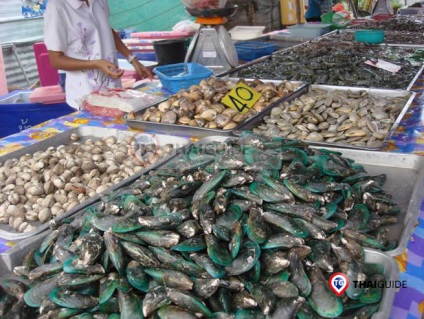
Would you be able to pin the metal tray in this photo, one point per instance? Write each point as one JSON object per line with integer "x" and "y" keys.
{"x": 190, "y": 131}
{"x": 85, "y": 132}
{"x": 391, "y": 273}
{"x": 404, "y": 172}
{"x": 15, "y": 256}
{"x": 257, "y": 119}
{"x": 235, "y": 71}
{"x": 393, "y": 44}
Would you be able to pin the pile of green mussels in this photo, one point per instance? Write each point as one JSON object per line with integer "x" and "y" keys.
{"x": 247, "y": 228}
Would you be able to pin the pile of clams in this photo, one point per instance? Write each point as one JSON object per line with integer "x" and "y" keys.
{"x": 37, "y": 187}
{"x": 344, "y": 117}
{"x": 200, "y": 105}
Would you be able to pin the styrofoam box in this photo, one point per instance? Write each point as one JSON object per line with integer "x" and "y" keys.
{"x": 309, "y": 30}
{"x": 246, "y": 32}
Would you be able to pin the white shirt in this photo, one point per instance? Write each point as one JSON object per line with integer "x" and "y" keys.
{"x": 81, "y": 32}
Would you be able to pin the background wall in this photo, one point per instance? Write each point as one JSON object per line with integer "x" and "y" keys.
{"x": 256, "y": 12}
{"x": 146, "y": 15}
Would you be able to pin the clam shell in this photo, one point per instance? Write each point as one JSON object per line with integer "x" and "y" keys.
{"x": 230, "y": 126}
{"x": 169, "y": 117}
{"x": 209, "y": 115}
{"x": 222, "y": 120}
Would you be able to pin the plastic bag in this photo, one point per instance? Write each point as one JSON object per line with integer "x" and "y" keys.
{"x": 338, "y": 20}
{"x": 116, "y": 102}
{"x": 342, "y": 12}
{"x": 186, "y": 26}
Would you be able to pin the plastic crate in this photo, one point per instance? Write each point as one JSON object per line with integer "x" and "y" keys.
{"x": 251, "y": 50}
{"x": 309, "y": 30}
{"x": 18, "y": 114}
{"x": 180, "y": 76}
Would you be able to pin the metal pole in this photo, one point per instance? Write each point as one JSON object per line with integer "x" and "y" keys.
{"x": 12, "y": 47}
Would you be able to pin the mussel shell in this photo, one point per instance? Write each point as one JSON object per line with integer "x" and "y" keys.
{"x": 71, "y": 299}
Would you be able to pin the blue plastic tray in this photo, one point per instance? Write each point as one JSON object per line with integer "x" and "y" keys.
{"x": 251, "y": 50}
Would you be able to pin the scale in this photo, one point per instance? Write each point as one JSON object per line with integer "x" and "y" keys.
{"x": 212, "y": 45}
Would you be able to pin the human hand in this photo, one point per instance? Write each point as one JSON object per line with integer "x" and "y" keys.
{"x": 142, "y": 70}
{"x": 109, "y": 69}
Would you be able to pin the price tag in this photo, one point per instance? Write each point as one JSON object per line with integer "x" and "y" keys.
{"x": 381, "y": 64}
{"x": 241, "y": 98}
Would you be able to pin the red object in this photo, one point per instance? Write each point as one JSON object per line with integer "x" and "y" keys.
{"x": 47, "y": 95}
{"x": 48, "y": 75}
{"x": 360, "y": 21}
{"x": 161, "y": 35}
{"x": 381, "y": 17}
{"x": 338, "y": 283}
{"x": 102, "y": 111}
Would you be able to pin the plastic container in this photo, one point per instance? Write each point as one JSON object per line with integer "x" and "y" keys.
{"x": 370, "y": 36}
{"x": 246, "y": 32}
{"x": 47, "y": 95}
{"x": 180, "y": 76}
{"x": 309, "y": 30}
{"x": 337, "y": 21}
{"x": 170, "y": 51}
{"x": 248, "y": 51}
{"x": 18, "y": 114}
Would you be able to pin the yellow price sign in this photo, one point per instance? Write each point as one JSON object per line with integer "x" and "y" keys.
{"x": 241, "y": 98}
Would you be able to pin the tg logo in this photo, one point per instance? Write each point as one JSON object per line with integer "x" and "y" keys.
{"x": 338, "y": 283}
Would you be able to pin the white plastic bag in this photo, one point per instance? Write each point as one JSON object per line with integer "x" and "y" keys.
{"x": 186, "y": 26}
{"x": 115, "y": 102}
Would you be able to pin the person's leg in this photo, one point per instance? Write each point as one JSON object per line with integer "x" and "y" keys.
{"x": 313, "y": 19}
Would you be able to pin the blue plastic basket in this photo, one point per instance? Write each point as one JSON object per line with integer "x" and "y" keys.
{"x": 180, "y": 76}
{"x": 18, "y": 114}
{"x": 251, "y": 50}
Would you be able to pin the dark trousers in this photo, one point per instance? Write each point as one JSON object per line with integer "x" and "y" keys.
{"x": 313, "y": 19}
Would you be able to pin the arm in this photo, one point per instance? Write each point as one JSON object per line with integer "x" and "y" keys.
{"x": 122, "y": 48}
{"x": 60, "y": 61}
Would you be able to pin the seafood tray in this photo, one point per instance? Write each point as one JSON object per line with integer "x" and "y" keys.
{"x": 409, "y": 25}
{"x": 404, "y": 171}
{"x": 303, "y": 68}
{"x": 391, "y": 272}
{"x": 84, "y": 133}
{"x": 391, "y": 38}
{"x": 15, "y": 256}
{"x": 258, "y": 119}
{"x": 377, "y": 259}
{"x": 188, "y": 131}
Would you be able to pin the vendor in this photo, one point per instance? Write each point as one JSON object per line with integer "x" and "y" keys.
{"x": 81, "y": 42}
{"x": 316, "y": 8}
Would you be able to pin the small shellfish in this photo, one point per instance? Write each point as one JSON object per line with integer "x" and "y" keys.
{"x": 222, "y": 120}
{"x": 209, "y": 115}
{"x": 169, "y": 117}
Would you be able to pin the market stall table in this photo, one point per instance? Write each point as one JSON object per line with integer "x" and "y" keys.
{"x": 408, "y": 138}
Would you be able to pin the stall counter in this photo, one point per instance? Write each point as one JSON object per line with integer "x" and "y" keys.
{"x": 408, "y": 138}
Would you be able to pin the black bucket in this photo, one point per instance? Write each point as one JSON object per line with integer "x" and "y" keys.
{"x": 170, "y": 51}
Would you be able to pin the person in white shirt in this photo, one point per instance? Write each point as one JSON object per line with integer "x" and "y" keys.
{"x": 81, "y": 42}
